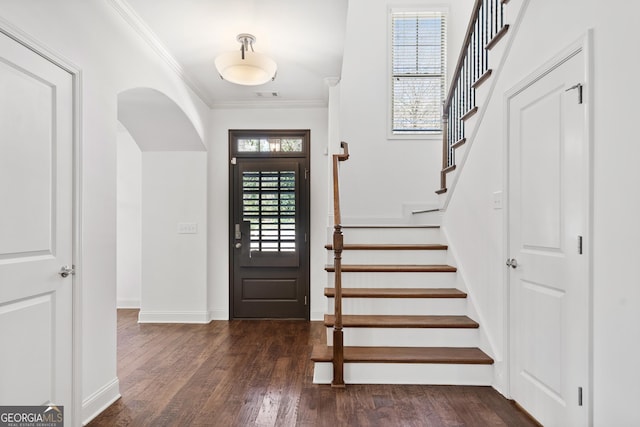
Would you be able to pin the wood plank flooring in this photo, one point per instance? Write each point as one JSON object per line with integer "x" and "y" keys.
{"x": 258, "y": 373}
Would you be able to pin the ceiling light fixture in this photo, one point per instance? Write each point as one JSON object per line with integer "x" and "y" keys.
{"x": 248, "y": 67}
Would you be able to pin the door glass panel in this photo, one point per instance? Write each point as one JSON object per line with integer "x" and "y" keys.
{"x": 269, "y": 205}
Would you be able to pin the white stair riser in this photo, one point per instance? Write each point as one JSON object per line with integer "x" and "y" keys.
{"x": 402, "y": 306}
{"x": 391, "y": 257}
{"x": 395, "y": 280}
{"x": 406, "y": 373}
{"x": 407, "y": 337}
{"x": 392, "y": 235}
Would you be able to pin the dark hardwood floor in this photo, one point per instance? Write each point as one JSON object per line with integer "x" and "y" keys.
{"x": 258, "y": 373}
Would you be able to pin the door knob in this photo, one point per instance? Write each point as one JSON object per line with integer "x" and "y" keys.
{"x": 513, "y": 263}
{"x": 65, "y": 271}
{"x": 238, "y": 245}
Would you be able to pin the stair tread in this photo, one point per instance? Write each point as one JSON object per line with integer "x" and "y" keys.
{"x": 397, "y": 293}
{"x": 399, "y": 268}
{"x": 449, "y": 355}
{"x": 401, "y": 321}
{"x": 393, "y": 246}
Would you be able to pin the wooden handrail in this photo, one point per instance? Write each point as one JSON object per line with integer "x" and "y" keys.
{"x": 338, "y": 246}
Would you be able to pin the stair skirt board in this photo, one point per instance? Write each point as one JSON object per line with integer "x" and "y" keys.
{"x": 407, "y": 373}
{"x": 414, "y": 337}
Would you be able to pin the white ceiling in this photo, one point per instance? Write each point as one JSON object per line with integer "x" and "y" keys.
{"x": 304, "y": 37}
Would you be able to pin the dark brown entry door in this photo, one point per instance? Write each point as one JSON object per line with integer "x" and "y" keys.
{"x": 269, "y": 224}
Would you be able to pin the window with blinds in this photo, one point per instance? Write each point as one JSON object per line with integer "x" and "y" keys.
{"x": 418, "y": 59}
{"x": 269, "y": 204}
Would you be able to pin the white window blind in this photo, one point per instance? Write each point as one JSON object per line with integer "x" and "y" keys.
{"x": 418, "y": 61}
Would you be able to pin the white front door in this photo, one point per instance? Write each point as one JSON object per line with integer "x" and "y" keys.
{"x": 548, "y": 279}
{"x": 36, "y": 228}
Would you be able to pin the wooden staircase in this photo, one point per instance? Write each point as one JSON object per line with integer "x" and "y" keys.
{"x": 404, "y": 320}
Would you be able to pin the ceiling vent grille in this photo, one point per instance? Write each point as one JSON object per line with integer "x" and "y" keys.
{"x": 267, "y": 94}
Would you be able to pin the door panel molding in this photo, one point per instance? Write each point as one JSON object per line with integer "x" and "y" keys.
{"x": 583, "y": 46}
{"x": 76, "y": 414}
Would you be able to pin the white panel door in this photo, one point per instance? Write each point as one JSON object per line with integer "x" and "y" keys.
{"x": 36, "y": 197}
{"x": 548, "y": 282}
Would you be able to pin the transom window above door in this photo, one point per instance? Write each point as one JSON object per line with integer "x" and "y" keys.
{"x": 269, "y": 145}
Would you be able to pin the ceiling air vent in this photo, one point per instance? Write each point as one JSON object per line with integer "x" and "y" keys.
{"x": 267, "y": 94}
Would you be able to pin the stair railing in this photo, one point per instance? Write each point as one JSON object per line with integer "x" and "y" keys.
{"x": 486, "y": 27}
{"x": 338, "y": 246}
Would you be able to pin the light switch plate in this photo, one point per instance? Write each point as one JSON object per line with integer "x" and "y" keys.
{"x": 497, "y": 200}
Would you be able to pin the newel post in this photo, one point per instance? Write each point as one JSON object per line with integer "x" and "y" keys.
{"x": 338, "y": 342}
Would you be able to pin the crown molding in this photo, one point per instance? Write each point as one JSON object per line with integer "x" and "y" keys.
{"x": 137, "y": 23}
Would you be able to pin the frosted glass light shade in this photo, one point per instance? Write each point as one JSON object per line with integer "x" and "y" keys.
{"x": 254, "y": 69}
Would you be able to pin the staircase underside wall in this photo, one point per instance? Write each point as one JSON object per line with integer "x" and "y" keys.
{"x": 476, "y": 231}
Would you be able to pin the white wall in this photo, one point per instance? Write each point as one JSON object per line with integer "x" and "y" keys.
{"x": 314, "y": 119}
{"x": 476, "y": 230}
{"x": 174, "y": 280}
{"x": 129, "y": 221}
{"x": 112, "y": 58}
{"x": 394, "y": 171}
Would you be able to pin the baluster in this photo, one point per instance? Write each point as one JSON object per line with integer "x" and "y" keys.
{"x": 483, "y": 38}
{"x": 496, "y": 14}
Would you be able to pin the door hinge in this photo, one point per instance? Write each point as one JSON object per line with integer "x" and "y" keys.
{"x": 579, "y": 396}
{"x": 580, "y": 245}
{"x": 233, "y": 161}
{"x": 579, "y": 87}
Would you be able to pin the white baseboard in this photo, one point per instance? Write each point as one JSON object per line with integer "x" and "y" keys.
{"x": 104, "y": 397}
{"x": 128, "y": 303}
{"x": 219, "y": 315}
{"x": 173, "y": 317}
{"x": 317, "y": 315}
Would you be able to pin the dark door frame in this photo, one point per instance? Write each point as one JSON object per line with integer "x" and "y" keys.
{"x": 305, "y": 255}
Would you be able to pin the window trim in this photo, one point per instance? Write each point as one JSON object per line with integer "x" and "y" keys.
{"x": 389, "y": 72}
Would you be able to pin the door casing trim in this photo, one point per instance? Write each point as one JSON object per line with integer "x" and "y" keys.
{"x": 307, "y": 182}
